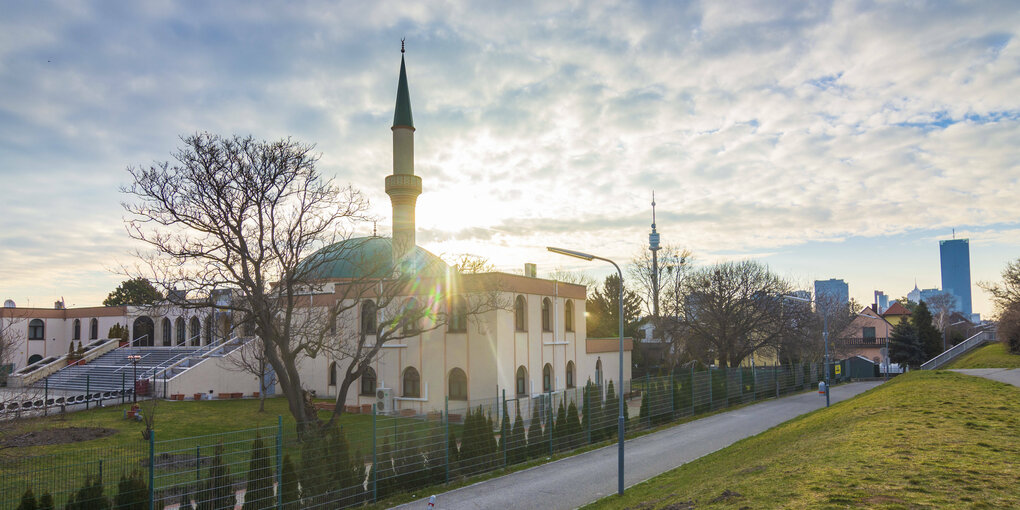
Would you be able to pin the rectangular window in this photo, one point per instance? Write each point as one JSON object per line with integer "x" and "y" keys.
{"x": 869, "y": 334}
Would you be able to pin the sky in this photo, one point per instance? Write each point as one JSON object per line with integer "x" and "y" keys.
{"x": 825, "y": 139}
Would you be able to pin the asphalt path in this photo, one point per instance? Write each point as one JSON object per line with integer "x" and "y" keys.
{"x": 1006, "y": 375}
{"x": 585, "y": 478}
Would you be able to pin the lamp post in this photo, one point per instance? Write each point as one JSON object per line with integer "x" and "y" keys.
{"x": 589, "y": 257}
{"x": 134, "y": 358}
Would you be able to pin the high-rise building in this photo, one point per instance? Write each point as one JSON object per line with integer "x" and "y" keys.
{"x": 881, "y": 302}
{"x": 833, "y": 291}
{"x": 955, "y": 257}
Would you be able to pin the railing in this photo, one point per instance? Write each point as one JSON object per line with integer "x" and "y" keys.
{"x": 952, "y": 353}
{"x": 862, "y": 341}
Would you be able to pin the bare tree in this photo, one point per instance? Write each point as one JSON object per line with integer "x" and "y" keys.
{"x": 575, "y": 277}
{"x": 240, "y": 214}
{"x": 469, "y": 263}
{"x": 673, "y": 264}
{"x": 251, "y": 359}
{"x": 728, "y": 311}
{"x": 11, "y": 337}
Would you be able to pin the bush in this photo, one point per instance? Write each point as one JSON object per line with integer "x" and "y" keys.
{"x": 89, "y": 496}
{"x": 28, "y": 501}
{"x": 217, "y": 491}
{"x": 258, "y": 494}
{"x": 290, "y": 492}
{"x": 132, "y": 493}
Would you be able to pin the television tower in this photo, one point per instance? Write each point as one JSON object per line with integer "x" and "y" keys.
{"x": 653, "y": 246}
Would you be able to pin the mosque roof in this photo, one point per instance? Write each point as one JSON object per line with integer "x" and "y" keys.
{"x": 402, "y": 113}
{"x": 368, "y": 257}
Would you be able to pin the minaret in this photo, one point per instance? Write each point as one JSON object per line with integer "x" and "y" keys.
{"x": 653, "y": 246}
{"x": 403, "y": 186}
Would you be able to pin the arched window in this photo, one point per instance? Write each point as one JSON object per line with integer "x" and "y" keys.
{"x": 368, "y": 313}
{"x": 458, "y": 384}
{"x": 520, "y": 314}
{"x": 546, "y": 315}
{"x": 568, "y": 315}
{"x": 570, "y": 374}
{"x": 76, "y": 333}
{"x": 208, "y": 329}
{"x": 194, "y": 332}
{"x": 34, "y": 358}
{"x": 36, "y": 329}
{"x": 368, "y": 382}
{"x": 458, "y": 315}
{"x": 409, "y": 317}
{"x": 181, "y": 334}
{"x": 547, "y": 377}
{"x": 332, "y": 374}
{"x": 166, "y": 332}
{"x": 93, "y": 329}
{"x": 522, "y": 381}
{"x": 598, "y": 372}
{"x": 412, "y": 383}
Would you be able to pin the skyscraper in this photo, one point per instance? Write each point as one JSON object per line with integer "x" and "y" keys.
{"x": 955, "y": 257}
{"x": 833, "y": 291}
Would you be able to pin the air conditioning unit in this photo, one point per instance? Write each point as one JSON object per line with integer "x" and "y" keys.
{"x": 384, "y": 400}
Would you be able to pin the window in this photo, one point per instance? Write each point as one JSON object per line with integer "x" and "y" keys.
{"x": 195, "y": 330}
{"x": 598, "y": 372}
{"x": 368, "y": 382}
{"x": 36, "y": 330}
{"x": 181, "y": 334}
{"x": 93, "y": 329}
{"x": 412, "y": 383}
{"x": 570, "y": 374}
{"x": 458, "y": 384}
{"x": 522, "y": 381}
{"x": 520, "y": 315}
{"x": 332, "y": 374}
{"x": 568, "y": 315}
{"x": 76, "y": 335}
{"x": 34, "y": 358}
{"x": 368, "y": 313}
{"x": 546, "y": 315}
{"x": 166, "y": 332}
{"x": 409, "y": 318}
{"x": 547, "y": 377}
{"x": 458, "y": 315}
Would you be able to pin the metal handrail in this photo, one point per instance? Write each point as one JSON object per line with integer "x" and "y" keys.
{"x": 950, "y": 354}
{"x": 177, "y": 359}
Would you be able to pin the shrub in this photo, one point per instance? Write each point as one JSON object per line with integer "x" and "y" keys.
{"x": 46, "y": 502}
{"x": 132, "y": 493}
{"x": 89, "y": 496}
{"x": 217, "y": 490}
{"x": 290, "y": 492}
{"x": 258, "y": 494}
{"x": 28, "y": 501}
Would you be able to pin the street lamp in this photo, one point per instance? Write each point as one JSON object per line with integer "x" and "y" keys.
{"x": 134, "y": 358}
{"x": 589, "y": 257}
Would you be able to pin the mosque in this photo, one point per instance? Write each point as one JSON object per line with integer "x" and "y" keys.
{"x": 535, "y": 344}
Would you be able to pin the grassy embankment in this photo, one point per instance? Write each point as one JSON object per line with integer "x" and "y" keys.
{"x": 923, "y": 440}
{"x": 990, "y": 356}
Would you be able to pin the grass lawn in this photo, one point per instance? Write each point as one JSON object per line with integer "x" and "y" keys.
{"x": 923, "y": 440}
{"x": 990, "y": 356}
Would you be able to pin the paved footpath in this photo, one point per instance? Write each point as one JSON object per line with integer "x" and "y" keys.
{"x": 585, "y": 478}
{"x": 1006, "y": 375}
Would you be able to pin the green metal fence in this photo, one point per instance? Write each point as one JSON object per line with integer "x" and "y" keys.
{"x": 284, "y": 467}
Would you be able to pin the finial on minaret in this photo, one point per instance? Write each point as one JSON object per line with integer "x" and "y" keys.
{"x": 401, "y": 44}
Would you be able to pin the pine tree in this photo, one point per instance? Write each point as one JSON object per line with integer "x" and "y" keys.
{"x": 384, "y": 475}
{"x": 258, "y": 494}
{"x": 560, "y": 428}
{"x": 89, "y": 496}
{"x": 46, "y": 502}
{"x": 132, "y": 493}
{"x": 28, "y": 501}
{"x": 517, "y": 449}
{"x": 573, "y": 433}
{"x": 503, "y": 447}
{"x": 289, "y": 492}
{"x": 536, "y": 446}
{"x": 612, "y": 413}
{"x": 217, "y": 492}
{"x": 315, "y": 480}
{"x": 927, "y": 333}
{"x": 905, "y": 346}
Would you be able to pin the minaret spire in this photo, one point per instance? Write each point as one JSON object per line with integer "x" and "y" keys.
{"x": 403, "y": 186}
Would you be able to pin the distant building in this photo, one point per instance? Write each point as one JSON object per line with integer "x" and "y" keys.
{"x": 896, "y": 313}
{"x": 955, "y": 257}
{"x": 927, "y": 294}
{"x": 832, "y": 290}
{"x": 881, "y": 301}
{"x": 914, "y": 295}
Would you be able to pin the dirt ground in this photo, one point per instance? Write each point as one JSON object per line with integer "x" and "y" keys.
{"x": 57, "y": 436}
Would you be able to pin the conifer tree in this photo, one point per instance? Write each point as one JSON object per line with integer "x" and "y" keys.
{"x": 503, "y": 447}
{"x": 290, "y": 493}
{"x": 28, "y": 501}
{"x": 453, "y": 457}
{"x": 927, "y": 333}
{"x": 46, "y": 502}
{"x": 435, "y": 455}
{"x": 573, "y": 433}
{"x": 315, "y": 455}
{"x": 218, "y": 491}
{"x": 536, "y": 446}
{"x": 517, "y": 449}
{"x": 132, "y": 493}
{"x": 560, "y": 428}
{"x": 89, "y": 496}
{"x": 258, "y": 494}
{"x": 384, "y": 475}
{"x": 612, "y": 411}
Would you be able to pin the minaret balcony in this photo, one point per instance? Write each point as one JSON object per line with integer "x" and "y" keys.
{"x": 403, "y": 185}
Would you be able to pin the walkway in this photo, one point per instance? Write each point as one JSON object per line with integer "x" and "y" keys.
{"x": 584, "y": 478}
{"x": 1006, "y": 375}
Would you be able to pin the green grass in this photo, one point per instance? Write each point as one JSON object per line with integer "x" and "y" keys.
{"x": 990, "y": 356}
{"x": 923, "y": 440}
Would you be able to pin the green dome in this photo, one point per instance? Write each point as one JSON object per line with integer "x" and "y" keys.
{"x": 367, "y": 257}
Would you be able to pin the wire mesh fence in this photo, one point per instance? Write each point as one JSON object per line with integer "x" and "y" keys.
{"x": 337, "y": 466}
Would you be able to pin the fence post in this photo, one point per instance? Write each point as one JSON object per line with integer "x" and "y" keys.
{"x": 46, "y": 399}
{"x": 503, "y": 433}
{"x": 446, "y": 421}
{"x": 672, "y": 407}
{"x": 279, "y": 462}
{"x": 692, "y": 389}
{"x": 122, "y": 387}
{"x": 775, "y": 375}
{"x": 88, "y": 390}
{"x": 587, "y": 411}
{"x": 740, "y": 379}
{"x": 549, "y": 423}
{"x": 710, "y": 384}
{"x": 152, "y": 470}
{"x": 375, "y": 465}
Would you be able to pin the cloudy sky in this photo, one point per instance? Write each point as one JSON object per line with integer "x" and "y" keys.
{"x": 828, "y": 140}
